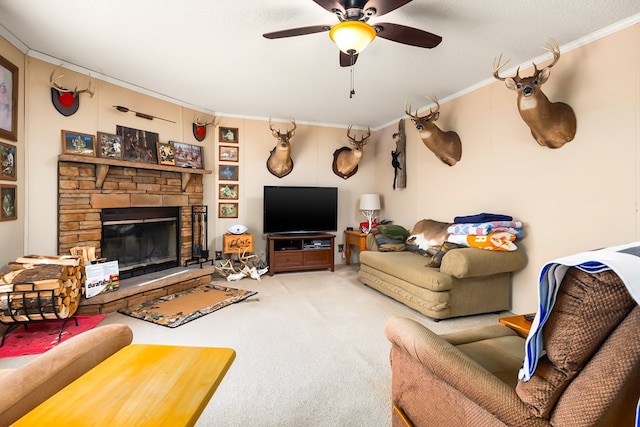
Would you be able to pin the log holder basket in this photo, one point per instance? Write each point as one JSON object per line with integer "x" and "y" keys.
{"x": 25, "y": 304}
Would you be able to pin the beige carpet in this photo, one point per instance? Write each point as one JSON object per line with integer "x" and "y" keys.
{"x": 177, "y": 309}
{"x": 310, "y": 346}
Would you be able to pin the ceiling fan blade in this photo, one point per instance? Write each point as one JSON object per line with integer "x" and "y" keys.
{"x": 407, "y": 35}
{"x": 385, "y": 6}
{"x": 329, "y": 4}
{"x": 301, "y": 31}
{"x": 345, "y": 60}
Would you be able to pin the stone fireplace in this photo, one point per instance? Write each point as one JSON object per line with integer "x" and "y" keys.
{"x": 101, "y": 200}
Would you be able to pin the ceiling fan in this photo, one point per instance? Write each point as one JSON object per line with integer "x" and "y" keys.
{"x": 352, "y": 34}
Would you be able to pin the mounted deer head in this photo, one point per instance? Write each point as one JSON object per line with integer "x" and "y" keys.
{"x": 445, "y": 145}
{"x": 345, "y": 159}
{"x": 200, "y": 128}
{"x": 279, "y": 162}
{"x": 552, "y": 124}
{"x": 66, "y": 101}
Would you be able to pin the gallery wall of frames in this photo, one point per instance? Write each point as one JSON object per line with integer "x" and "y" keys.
{"x": 8, "y": 130}
{"x": 228, "y": 172}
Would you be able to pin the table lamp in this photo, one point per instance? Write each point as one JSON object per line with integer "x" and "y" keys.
{"x": 369, "y": 203}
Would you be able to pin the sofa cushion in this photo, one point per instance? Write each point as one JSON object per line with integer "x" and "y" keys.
{"x": 427, "y": 236}
{"x": 409, "y": 267}
{"x": 599, "y": 300}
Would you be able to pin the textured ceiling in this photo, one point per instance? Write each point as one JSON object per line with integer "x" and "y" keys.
{"x": 211, "y": 56}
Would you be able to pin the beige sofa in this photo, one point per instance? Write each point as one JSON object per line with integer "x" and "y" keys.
{"x": 24, "y": 388}
{"x": 469, "y": 280}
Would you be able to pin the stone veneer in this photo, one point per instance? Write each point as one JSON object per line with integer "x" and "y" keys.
{"x": 82, "y": 196}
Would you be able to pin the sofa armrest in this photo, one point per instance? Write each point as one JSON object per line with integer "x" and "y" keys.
{"x": 33, "y": 383}
{"x": 371, "y": 243}
{"x": 475, "y": 262}
{"x": 447, "y": 383}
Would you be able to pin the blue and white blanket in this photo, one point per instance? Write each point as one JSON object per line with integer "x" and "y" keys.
{"x": 624, "y": 260}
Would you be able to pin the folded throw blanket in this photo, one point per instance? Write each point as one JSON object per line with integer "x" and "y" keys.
{"x": 481, "y": 217}
{"x": 624, "y": 260}
{"x": 484, "y": 228}
{"x": 496, "y": 241}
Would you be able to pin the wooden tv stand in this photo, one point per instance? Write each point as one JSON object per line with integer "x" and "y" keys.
{"x": 293, "y": 252}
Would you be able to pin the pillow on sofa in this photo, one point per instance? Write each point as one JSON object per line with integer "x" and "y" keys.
{"x": 392, "y": 231}
{"x": 600, "y": 300}
{"x": 427, "y": 236}
{"x": 385, "y": 243}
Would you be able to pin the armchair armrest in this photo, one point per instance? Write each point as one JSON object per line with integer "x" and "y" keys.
{"x": 475, "y": 262}
{"x": 450, "y": 385}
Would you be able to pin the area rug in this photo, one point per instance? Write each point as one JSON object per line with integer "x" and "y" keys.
{"x": 183, "y": 307}
{"x": 39, "y": 337}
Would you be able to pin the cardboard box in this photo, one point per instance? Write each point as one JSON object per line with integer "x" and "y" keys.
{"x": 101, "y": 278}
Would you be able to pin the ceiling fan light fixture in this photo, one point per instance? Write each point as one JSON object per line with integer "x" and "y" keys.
{"x": 352, "y": 37}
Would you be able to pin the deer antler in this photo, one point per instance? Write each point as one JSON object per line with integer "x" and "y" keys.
{"x": 358, "y": 143}
{"x": 206, "y": 123}
{"x": 407, "y": 111}
{"x": 497, "y": 65}
{"x": 551, "y": 46}
{"x": 53, "y": 83}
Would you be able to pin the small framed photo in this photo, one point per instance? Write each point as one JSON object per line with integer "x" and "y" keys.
{"x": 9, "y": 200}
{"x": 77, "y": 143}
{"x": 228, "y": 191}
{"x": 8, "y": 100}
{"x": 166, "y": 154}
{"x": 109, "y": 146}
{"x": 188, "y": 155}
{"x": 227, "y": 210}
{"x": 228, "y": 134}
{"x": 8, "y": 162}
{"x": 227, "y": 153}
{"x": 228, "y": 172}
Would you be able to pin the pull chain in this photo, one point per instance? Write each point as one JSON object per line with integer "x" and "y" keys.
{"x": 352, "y": 90}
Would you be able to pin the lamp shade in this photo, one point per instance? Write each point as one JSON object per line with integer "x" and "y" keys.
{"x": 352, "y": 36}
{"x": 370, "y": 202}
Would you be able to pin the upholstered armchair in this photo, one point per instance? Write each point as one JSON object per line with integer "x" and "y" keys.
{"x": 589, "y": 375}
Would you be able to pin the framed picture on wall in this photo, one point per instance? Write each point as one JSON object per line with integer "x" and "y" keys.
{"x": 188, "y": 155}
{"x": 80, "y": 144}
{"x": 9, "y": 200}
{"x": 227, "y": 210}
{"x": 8, "y": 100}
{"x": 228, "y": 172}
{"x": 8, "y": 162}
{"x": 228, "y": 134}
{"x": 227, "y": 153}
{"x": 166, "y": 154}
{"x": 109, "y": 146}
{"x": 138, "y": 145}
{"x": 228, "y": 191}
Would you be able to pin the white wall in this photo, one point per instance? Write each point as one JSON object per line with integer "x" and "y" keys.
{"x": 575, "y": 198}
{"x": 579, "y": 197}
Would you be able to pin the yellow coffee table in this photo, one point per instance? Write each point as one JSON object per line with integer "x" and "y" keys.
{"x": 140, "y": 385}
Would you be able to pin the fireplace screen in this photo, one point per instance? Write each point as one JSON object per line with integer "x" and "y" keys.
{"x": 143, "y": 240}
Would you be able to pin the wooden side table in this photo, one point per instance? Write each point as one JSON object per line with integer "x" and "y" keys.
{"x": 355, "y": 238}
{"x": 237, "y": 243}
{"x": 518, "y": 323}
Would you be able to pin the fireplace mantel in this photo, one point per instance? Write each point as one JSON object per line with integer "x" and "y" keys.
{"x": 102, "y": 167}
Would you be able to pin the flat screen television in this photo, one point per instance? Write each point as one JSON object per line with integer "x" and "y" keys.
{"x": 298, "y": 210}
